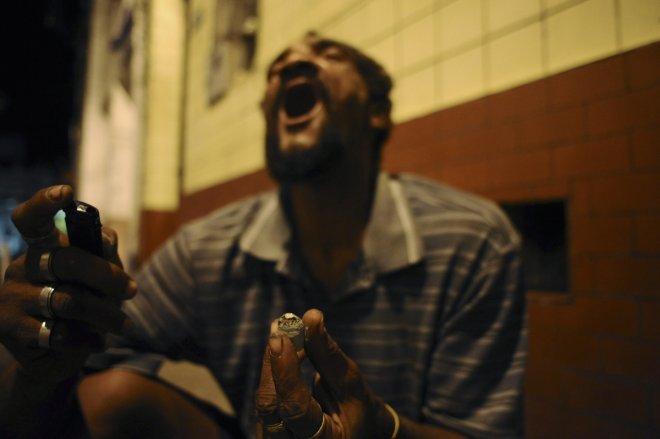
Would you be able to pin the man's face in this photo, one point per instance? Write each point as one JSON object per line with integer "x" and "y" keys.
{"x": 315, "y": 108}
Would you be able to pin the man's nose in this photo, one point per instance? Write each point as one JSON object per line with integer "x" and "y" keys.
{"x": 298, "y": 65}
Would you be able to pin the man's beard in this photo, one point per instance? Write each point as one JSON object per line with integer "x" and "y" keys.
{"x": 303, "y": 165}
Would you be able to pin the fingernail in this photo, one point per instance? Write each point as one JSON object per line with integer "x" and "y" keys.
{"x": 321, "y": 328}
{"x": 275, "y": 344}
{"x": 55, "y": 193}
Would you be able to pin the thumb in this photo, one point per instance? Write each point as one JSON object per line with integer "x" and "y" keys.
{"x": 339, "y": 373}
{"x": 111, "y": 245}
{"x": 34, "y": 217}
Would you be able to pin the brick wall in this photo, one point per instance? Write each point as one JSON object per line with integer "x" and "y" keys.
{"x": 592, "y": 137}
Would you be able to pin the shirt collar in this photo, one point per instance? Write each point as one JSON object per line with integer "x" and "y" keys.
{"x": 391, "y": 241}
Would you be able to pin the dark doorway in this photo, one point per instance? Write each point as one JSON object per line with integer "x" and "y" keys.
{"x": 543, "y": 228}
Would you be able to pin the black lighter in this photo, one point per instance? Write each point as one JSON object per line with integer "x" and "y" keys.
{"x": 83, "y": 225}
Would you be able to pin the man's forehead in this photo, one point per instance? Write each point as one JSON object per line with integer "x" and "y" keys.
{"x": 313, "y": 44}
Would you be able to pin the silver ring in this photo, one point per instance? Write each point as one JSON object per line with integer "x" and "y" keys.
{"x": 46, "y": 267}
{"x": 46, "y": 301}
{"x": 44, "y": 333}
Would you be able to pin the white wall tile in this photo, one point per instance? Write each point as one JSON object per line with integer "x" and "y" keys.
{"x": 160, "y": 186}
{"x": 640, "y": 22}
{"x": 502, "y": 13}
{"x": 417, "y": 42}
{"x": 461, "y": 78}
{"x": 458, "y": 23}
{"x": 356, "y": 25}
{"x": 552, "y": 4}
{"x": 411, "y": 7}
{"x": 580, "y": 34}
{"x": 323, "y": 13}
{"x": 515, "y": 58}
{"x": 348, "y": 28}
{"x": 415, "y": 94}
{"x": 436, "y": 59}
{"x": 380, "y": 16}
{"x": 384, "y": 51}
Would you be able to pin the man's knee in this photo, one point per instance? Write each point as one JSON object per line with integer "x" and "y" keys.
{"x": 121, "y": 403}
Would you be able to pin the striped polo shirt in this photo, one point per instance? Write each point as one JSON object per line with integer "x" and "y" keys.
{"x": 432, "y": 309}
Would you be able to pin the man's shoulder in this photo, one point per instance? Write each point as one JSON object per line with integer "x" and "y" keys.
{"x": 224, "y": 224}
{"x": 441, "y": 206}
{"x": 434, "y": 194}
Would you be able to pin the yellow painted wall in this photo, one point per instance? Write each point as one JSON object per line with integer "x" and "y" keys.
{"x": 440, "y": 52}
{"x": 162, "y": 138}
{"x": 222, "y": 140}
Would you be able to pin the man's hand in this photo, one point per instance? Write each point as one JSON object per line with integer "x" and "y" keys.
{"x": 341, "y": 405}
{"x": 84, "y": 306}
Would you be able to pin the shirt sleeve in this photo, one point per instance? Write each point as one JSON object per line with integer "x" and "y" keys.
{"x": 163, "y": 312}
{"x": 477, "y": 367}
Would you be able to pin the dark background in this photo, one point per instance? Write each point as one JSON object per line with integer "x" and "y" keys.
{"x": 42, "y": 44}
{"x": 42, "y": 64}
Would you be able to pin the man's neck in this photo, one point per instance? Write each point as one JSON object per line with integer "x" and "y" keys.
{"x": 330, "y": 216}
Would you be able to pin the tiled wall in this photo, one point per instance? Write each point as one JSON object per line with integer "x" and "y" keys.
{"x": 441, "y": 53}
{"x": 517, "y": 100}
{"x": 590, "y": 136}
{"x": 162, "y": 124}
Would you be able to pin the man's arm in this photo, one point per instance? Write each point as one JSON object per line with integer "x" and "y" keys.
{"x": 474, "y": 382}
{"x": 33, "y": 408}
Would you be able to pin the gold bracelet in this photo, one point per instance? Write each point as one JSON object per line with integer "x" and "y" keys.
{"x": 397, "y": 422}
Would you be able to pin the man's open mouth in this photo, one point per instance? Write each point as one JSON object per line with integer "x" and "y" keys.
{"x": 300, "y": 102}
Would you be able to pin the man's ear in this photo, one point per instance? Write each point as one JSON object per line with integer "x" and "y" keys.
{"x": 379, "y": 120}
{"x": 379, "y": 115}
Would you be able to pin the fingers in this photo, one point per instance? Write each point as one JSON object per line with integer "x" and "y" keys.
{"x": 74, "y": 265}
{"x": 321, "y": 394}
{"x": 79, "y": 319}
{"x": 339, "y": 374}
{"x": 65, "y": 336}
{"x": 266, "y": 396}
{"x": 267, "y": 404}
{"x": 34, "y": 220}
{"x": 301, "y": 413}
{"x": 74, "y": 303}
{"x": 111, "y": 246}
{"x": 87, "y": 308}
{"x": 34, "y": 217}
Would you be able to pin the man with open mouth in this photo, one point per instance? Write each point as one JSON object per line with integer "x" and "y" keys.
{"x": 348, "y": 303}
